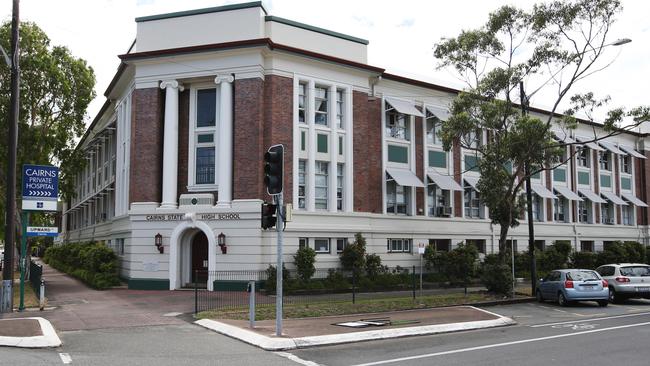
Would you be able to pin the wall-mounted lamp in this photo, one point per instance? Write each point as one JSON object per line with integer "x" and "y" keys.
{"x": 221, "y": 241}
{"x": 159, "y": 244}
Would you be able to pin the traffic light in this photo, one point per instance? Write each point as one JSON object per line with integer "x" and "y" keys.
{"x": 273, "y": 169}
{"x": 268, "y": 215}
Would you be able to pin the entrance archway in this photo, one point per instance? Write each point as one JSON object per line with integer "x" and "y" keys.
{"x": 180, "y": 252}
{"x": 198, "y": 260}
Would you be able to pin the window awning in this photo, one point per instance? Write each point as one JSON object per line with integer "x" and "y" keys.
{"x": 564, "y": 138}
{"x": 634, "y": 200}
{"x": 613, "y": 198}
{"x": 541, "y": 191}
{"x": 404, "y": 177}
{"x": 440, "y": 112}
{"x": 591, "y": 196}
{"x": 472, "y": 181}
{"x": 567, "y": 193}
{"x": 611, "y": 147}
{"x": 404, "y": 107}
{"x": 591, "y": 145}
{"x": 631, "y": 151}
{"x": 444, "y": 182}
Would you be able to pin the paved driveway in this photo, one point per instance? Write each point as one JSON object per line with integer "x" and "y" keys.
{"x": 76, "y": 306}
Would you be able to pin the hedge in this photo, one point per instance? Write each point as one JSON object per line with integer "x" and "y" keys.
{"x": 93, "y": 263}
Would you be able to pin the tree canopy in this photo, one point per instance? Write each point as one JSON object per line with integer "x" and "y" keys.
{"x": 55, "y": 90}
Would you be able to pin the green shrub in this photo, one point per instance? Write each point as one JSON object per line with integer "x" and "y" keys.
{"x": 635, "y": 252}
{"x": 460, "y": 264}
{"x": 616, "y": 252}
{"x": 497, "y": 278}
{"x": 353, "y": 256}
{"x": 271, "y": 278}
{"x": 336, "y": 280}
{"x": 93, "y": 263}
{"x": 585, "y": 260}
{"x": 304, "y": 260}
{"x": 373, "y": 265}
{"x": 647, "y": 255}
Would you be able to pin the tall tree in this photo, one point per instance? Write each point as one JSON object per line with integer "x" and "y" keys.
{"x": 55, "y": 91}
{"x": 550, "y": 48}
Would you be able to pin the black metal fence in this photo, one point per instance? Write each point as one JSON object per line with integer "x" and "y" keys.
{"x": 35, "y": 275}
{"x": 231, "y": 288}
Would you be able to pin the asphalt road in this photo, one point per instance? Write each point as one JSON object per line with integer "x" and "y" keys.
{"x": 583, "y": 334}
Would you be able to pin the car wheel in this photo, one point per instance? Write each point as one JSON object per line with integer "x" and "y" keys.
{"x": 613, "y": 297}
{"x": 603, "y": 303}
{"x": 539, "y": 296}
{"x": 561, "y": 299}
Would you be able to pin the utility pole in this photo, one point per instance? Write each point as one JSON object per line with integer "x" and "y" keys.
{"x": 529, "y": 204}
{"x": 6, "y": 303}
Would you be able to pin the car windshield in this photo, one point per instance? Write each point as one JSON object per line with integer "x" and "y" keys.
{"x": 635, "y": 271}
{"x": 582, "y": 276}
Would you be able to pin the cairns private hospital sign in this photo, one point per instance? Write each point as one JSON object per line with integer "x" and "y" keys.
{"x": 40, "y": 187}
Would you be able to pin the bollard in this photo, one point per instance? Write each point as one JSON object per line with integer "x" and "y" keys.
{"x": 251, "y": 304}
{"x": 413, "y": 282}
{"x": 42, "y": 295}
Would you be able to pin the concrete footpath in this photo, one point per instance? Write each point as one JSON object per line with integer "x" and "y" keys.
{"x": 309, "y": 332}
{"x": 33, "y": 332}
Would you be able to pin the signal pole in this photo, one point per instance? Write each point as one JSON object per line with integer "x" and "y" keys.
{"x": 278, "y": 284}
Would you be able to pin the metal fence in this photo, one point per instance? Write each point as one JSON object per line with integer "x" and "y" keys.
{"x": 35, "y": 275}
{"x": 324, "y": 286}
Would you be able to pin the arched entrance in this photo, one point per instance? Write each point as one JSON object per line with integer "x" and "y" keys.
{"x": 198, "y": 261}
{"x": 189, "y": 243}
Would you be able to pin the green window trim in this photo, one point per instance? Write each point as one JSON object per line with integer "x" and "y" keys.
{"x": 559, "y": 175}
{"x": 398, "y": 154}
{"x": 626, "y": 183}
{"x": 605, "y": 181}
{"x": 437, "y": 159}
{"x": 584, "y": 178}
{"x": 303, "y": 141}
{"x": 340, "y": 145}
{"x": 322, "y": 143}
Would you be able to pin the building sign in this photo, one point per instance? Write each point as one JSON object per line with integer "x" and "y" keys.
{"x": 202, "y": 217}
{"x": 42, "y": 231}
{"x": 40, "y": 187}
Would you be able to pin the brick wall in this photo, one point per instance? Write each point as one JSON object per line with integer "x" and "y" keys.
{"x": 183, "y": 140}
{"x": 617, "y": 186}
{"x": 458, "y": 196}
{"x": 549, "y": 202}
{"x": 368, "y": 176}
{"x": 574, "y": 180}
{"x": 278, "y": 126}
{"x": 249, "y": 146}
{"x": 419, "y": 167}
{"x": 596, "y": 185}
{"x": 146, "y": 145}
{"x": 640, "y": 179}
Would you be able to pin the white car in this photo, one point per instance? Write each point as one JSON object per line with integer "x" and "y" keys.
{"x": 626, "y": 280}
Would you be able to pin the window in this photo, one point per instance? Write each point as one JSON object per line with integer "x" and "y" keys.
{"x": 626, "y": 183}
{"x": 119, "y": 244}
{"x": 341, "y": 243}
{"x": 538, "y": 208}
{"x": 559, "y": 210}
{"x": 607, "y": 216}
{"x": 603, "y": 158}
{"x": 559, "y": 175}
{"x": 339, "y": 187}
{"x": 473, "y": 139}
{"x": 302, "y": 173}
{"x": 302, "y": 98}
{"x": 583, "y": 178}
{"x": 583, "y": 157}
{"x": 586, "y": 246}
{"x": 398, "y": 154}
{"x": 438, "y": 201}
{"x": 478, "y": 243}
{"x": 626, "y": 167}
{"x": 399, "y": 245}
{"x": 627, "y": 216}
{"x": 303, "y": 140}
{"x": 471, "y": 163}
{"x": 434, "y": 127}
{"x": 398, "y": 125}
{"x": 322, "y": 142}
{"x": 397, "y": 197}
{"x": 322, "y": 245}
{"x": 472, "y": 203}
{"x": 584, "y": 211}
{"x": 437, "y": 159}
{"x": 321, "y": 183}
{"x": 440, "y": 245}
{"x": 605, "y": 180}
{"x": 303, "y": 243}
{"x": 606, "y": 271}
{"x": 320, "y": 96}
{"x": 204, "y": 137}
{"x": 339, "y": 108}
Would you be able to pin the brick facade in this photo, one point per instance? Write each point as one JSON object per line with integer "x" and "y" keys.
{"x": 574, "y": 178}
{"x": 549, "y": 202}
{"x": 458, "y": 196}
{"x": 419, "y": 167}
{"x": 368, "y": 176}
{"x": 146, "y": 145}
{"x": 596, "y": 185}
{"x": 183, "y": 140}
{"x": 640, "y": 179}
{"x": 617, "y": 186}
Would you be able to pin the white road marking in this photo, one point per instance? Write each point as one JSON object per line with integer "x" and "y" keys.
{"x": 580, "y": 326}
{"x": 296, "y": 359}
{"x": 172, "y": 314}
{"x": 396, "y": 360}
{"x": 65, "y": 358}
{"x": 590, "y": 320}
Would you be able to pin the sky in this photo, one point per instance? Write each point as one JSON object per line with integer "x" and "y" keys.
{"x": 402, "y": 35}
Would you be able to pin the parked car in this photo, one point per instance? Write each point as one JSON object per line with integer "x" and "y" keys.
{"x": 568, "y": 285}
{"x": 626, "y": 280}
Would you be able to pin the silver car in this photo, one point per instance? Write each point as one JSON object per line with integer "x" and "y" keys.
{"x": 626, "y": 280}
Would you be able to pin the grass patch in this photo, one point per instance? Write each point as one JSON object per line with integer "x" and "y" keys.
{"x": 346, "y": 307}
{"x": 30, "y": 299}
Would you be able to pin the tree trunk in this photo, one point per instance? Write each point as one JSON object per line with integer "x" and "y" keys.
{"x": 503, "y": 236}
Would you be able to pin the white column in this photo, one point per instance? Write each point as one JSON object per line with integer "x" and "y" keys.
{"x": 311, "y": 153}
{"x": 170, "y": 144}
{"x": 225, "y": 139}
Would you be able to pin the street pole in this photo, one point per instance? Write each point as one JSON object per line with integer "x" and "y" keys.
{"x": 512, "y": 253}
{"x": 279, "y": 226}
{"x": 23, "y": 257}
{"x": 529, "y": 205}
{"x": 6, "y": 303}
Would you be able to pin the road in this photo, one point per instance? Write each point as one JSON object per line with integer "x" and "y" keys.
{"x": 582, "y": 334}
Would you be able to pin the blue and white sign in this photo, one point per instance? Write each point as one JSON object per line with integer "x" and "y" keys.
{"x": 42, "y": 231}
{"x": 40, "y": 187}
